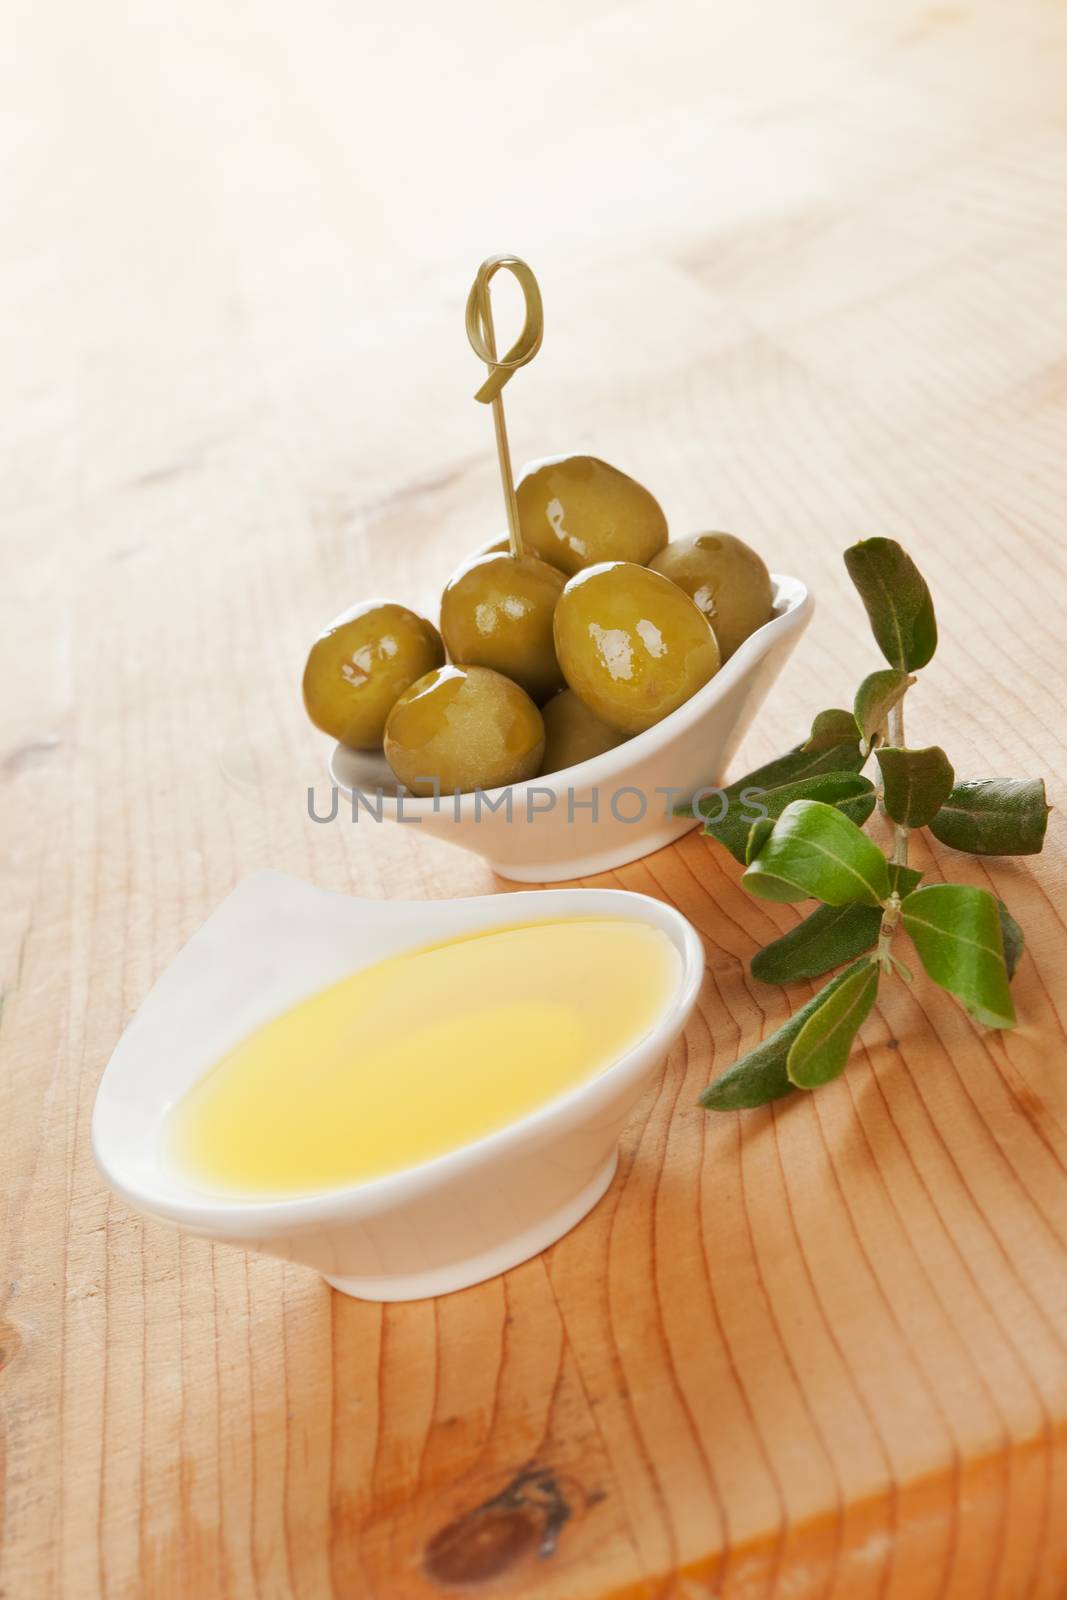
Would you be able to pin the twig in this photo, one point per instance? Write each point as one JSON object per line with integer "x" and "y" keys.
{"x": 899, "y": 858}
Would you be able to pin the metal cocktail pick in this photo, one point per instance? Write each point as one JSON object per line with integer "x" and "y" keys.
{"x": 482, "y": 338}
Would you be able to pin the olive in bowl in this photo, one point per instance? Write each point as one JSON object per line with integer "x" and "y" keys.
{"x": 632, "y": 645}
{"x": 726, "y": 579}
{"x": 575, "y": 511}
{"x": 361, "y": 664}
{"x": 497, "y": 611}
{"x": 463, "y": 728}
{"x": 573, "y": 733}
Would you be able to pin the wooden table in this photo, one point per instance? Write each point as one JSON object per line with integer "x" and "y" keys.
{"x": 803, "y": 270}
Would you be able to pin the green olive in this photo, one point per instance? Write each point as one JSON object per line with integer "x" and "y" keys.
{"x": 632, "y": 645}
{"x": 497, "y": 612}
{"x": 576, "y": 510}
{"x": 465, "y": 727}
{"x": 573, "y": 733}
{"x": 361, "y": 664}
{"x": 726, "y": 579}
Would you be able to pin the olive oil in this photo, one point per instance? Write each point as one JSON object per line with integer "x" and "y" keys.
{"x": 421, "y": 1054}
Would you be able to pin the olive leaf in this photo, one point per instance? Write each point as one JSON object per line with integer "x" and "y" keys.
{"x": 821, "y": 1048}
{"x": 956, "y": 929}
{"x": 994, "y": 817}
{"x": 850, "y": 793}
{"x": 826, "y": 938}
{"x": 915, "y": 783}
{"x": 830, "y": 729}
{"x": 899, "y": 607}
{"x": 761, "y": 1075}
{"x": 794, "y": 765}
{"x": 1014, "y": 942}
{"x": 790, "y": 768}
{"x": 758, "y": 834}
{"x": 816, "y": 851}
{"x": 875, "y": 698}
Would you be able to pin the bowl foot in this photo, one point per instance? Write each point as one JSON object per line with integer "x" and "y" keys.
{"x": 476, "y": 1269}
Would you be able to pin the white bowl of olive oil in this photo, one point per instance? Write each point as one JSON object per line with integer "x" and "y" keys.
{"x": 606, "y": 811}
{"x": 408, "y": 1097}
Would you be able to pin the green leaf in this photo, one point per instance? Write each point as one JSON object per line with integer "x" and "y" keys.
{"x": 915, "y": 783}
{"x": 994, "y": 817}
{"x": 791, "y": 767}
{"x": 821, "y": 1048}
{"x": 829, "y": 936}
{"x": 815, "y": 850}
{"x": 899, "y": 607}
{"x": 956, "y": 929}
{"x": 758, "y": 835}
{"x": 802, "y": 763}
{"x": 761, "y": 1075}
{"x": 848, "y": 791}
{"x": 875, "y": 698}
{"x": 1014, "y": 942}
{"x": 830, "y": 729}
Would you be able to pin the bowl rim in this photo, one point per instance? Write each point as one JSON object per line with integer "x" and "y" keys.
{"x": 793, "y": 605}
{"x": 223, "y": 1215}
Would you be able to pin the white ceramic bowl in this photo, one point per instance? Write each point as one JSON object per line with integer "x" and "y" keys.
{"x": 439, "y": 1226}
{"x": 546, "y": 830}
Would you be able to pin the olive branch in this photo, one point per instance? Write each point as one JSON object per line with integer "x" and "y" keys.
{"x": 811, "y": 845}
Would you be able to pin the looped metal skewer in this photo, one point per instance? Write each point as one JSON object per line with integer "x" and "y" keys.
{"x": 482, "y": 336}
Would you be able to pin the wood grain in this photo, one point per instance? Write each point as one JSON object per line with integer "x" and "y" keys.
{"x": 803, "y": 274}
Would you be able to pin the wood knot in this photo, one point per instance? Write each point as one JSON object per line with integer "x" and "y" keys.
{"x": 527, "y": 1515}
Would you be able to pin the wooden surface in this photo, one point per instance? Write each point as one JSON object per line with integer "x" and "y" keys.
{"x": 803, "y": 269}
